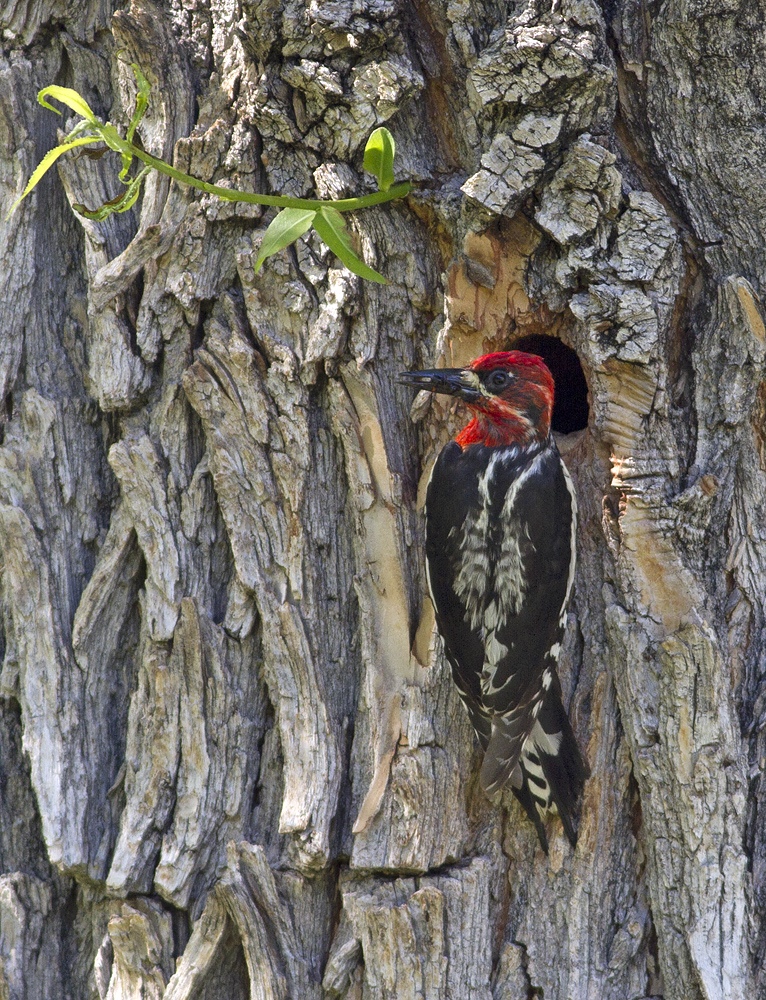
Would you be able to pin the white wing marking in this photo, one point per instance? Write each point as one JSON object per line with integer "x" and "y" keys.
{"x": 510, "y": 581}
{"x": 547, "y": 742}
{"x": 573, "y": 545}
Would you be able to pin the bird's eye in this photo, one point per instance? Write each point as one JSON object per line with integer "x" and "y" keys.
{"x": 498, "y": 380}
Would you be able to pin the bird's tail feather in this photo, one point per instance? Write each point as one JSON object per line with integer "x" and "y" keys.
{"x": 544, "y": 769}
{"x": 501, "y": 759}
{"x": 562, "y": 765}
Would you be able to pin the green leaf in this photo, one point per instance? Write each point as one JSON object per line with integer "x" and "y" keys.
{"x": 379, "y": 157}
{"x": 112, "y": 138}
{"x": 47, "y": 162}
{"x": 124, "y": 201}
{"x": 331, "y": 229}
{"x": 284, "y": 229}
{"x": 67, "y": 96}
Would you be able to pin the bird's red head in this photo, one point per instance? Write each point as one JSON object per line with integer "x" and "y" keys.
{"x": 509, "y": 392}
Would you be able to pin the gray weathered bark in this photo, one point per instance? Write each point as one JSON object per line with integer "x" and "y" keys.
{"x": 232, "y": 763}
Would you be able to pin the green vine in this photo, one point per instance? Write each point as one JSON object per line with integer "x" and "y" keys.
{"x": 297, "y": 215}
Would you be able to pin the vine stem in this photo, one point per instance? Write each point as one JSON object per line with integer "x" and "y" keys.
{"x": 230, "y": 194}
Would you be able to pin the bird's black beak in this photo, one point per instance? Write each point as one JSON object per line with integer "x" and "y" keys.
{"x": 461, "y": 382}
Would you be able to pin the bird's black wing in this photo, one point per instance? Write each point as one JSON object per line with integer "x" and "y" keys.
{"x": 532, "y": 520}
{"x": 452, "y": 497}
{"x": 462, "y": 550}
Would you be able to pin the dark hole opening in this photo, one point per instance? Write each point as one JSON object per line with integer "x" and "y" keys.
{"x": 570, "y": 405}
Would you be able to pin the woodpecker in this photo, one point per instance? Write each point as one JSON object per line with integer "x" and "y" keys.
{"x": 501, "y": 519}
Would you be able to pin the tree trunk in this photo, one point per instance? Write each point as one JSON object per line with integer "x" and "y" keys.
{"x": 232, "y": 762}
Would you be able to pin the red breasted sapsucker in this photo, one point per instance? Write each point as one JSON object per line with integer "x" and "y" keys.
{"x": 500, "y": 551}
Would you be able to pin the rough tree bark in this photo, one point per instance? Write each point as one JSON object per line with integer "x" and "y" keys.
{"x": 216, "y": 650}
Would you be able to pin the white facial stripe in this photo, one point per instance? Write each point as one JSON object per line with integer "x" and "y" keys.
{"x": 524, "y": 420}
{"x": 472, "y": 381}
